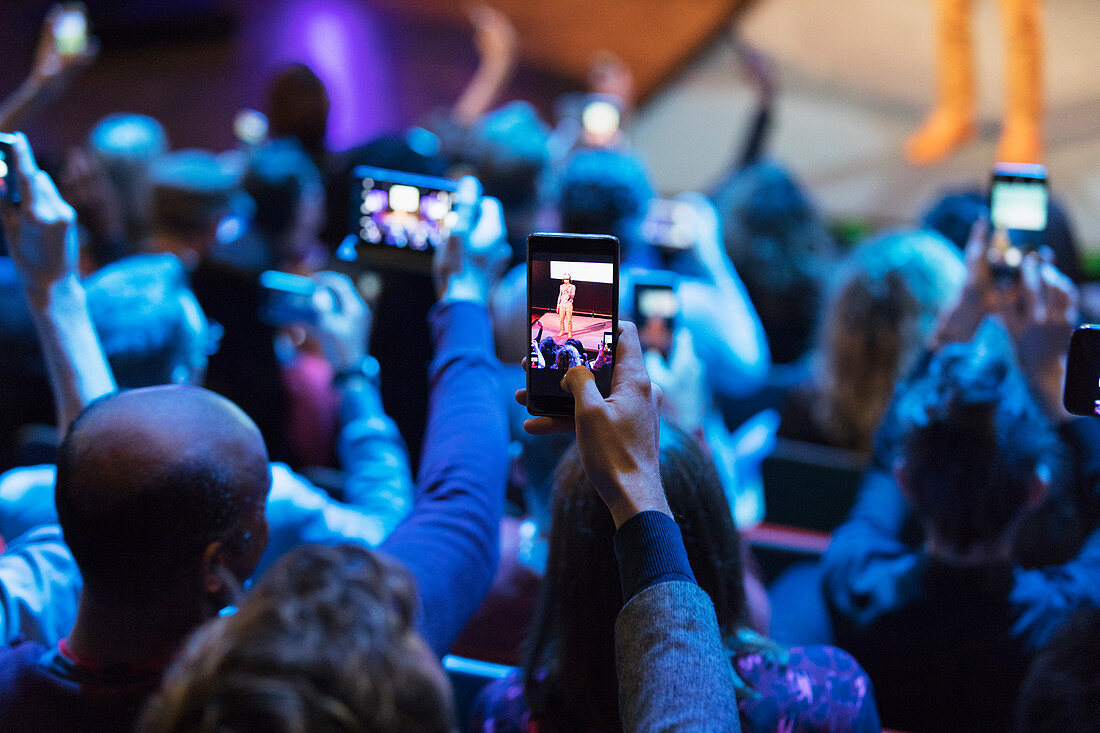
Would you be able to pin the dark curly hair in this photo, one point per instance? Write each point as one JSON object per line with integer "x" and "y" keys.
{"x": 324, "y": 642}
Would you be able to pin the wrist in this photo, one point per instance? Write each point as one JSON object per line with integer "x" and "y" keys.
{"x": 634, "y": 495}
{"x": 365, "y": 370}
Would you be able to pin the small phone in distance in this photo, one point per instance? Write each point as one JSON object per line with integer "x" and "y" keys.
{"x": 1081, "y": 395}
{"x": 656, "y": 309}
{"x": 573, "y": 301}
{"x": 1018, "y": 205}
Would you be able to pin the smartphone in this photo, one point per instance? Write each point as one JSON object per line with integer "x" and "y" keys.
{"x": 9, "y": 188}
{"x": 669, "y": 224}
{"x": 1081, "y": 395}
{"x": 656, "y": 309}
{"x": 1018, "y": 206}
{"x": 398, "y": 218}
{"x": 286, "y": 298}
{"x": 70, "y": 29}
{"x": 573, "y": 297}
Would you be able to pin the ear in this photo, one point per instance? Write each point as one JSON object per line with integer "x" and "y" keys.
{"x": 213, "y": 571}
{"x": 899, "y": 478}
{"x": 1038, "y": 487}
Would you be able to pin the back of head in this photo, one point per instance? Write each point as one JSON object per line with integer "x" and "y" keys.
{"x": 193, "y": 190}
{"x": 570, "y": 665}
{"x": 1061, "y": 692}
{"x": 603, "y": 192}
{"x": 126, "y": 145}
{"x": 149, "y": 323}
{"x": 148, "y": 479}
{"x": 281, "y": 179}
{"x": 972, "y": 442}
{"x": 324, "y": 642}
{"x": 298, "y": 107}
{"x": 882, "y": 308}
{"x": 780, "y": 246}
{"x": 508, "y": 149}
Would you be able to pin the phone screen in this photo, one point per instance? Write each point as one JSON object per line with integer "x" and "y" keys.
{"x": 572, "y": 306}
{"x": 655, "y": 309}
{"x": 70, "y": 30}
{"x": 1019, "y": 204}
{"x": 1082, "y": 389}
{"x": 399, "y": 218}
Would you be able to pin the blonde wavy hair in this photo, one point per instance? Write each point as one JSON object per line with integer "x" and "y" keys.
{"x": 880, "y": 311}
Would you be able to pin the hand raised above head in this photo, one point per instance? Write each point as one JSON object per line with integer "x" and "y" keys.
{"x": 471, "y": 261}
{"x": 41, "y": 229}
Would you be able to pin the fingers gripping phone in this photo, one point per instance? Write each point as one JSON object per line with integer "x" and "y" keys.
{"x": 1018, "y": 202}
{"x": 573, "y": 301}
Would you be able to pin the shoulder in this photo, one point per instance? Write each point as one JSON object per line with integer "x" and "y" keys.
{"x": 819, "y": 685}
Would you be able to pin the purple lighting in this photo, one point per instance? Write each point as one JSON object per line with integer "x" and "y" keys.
{"x": 342, "y": 41}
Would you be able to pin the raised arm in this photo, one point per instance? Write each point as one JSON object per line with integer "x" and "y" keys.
{"x": 495, "y": 38}
{"x": 52, "y": 70}
{"x": 672, "y": 668}
{"x": 450, "y": 542}
{"x": 378, "y": 488}
{"x": 42, "y": 241}
{"x": 725, "y": 328}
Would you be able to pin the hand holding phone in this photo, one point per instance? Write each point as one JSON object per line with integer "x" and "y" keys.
{"x": 616, "y": 431}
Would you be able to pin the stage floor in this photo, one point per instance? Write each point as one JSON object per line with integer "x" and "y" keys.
{"x": 589, "y": 331}
{"x": 855, "y": 79}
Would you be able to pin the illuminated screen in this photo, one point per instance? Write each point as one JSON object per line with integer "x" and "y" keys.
{"x": 1019, "y": 206}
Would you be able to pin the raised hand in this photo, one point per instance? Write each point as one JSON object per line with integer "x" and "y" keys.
{"x": 617, "y": 436}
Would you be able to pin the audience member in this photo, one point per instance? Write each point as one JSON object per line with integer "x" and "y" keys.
{"x": 159, "y": 556}
{"x": 568, "y": 681}
{"x": 1061, "y": 692}
{"x": 882, "y": 308}
{"x": 958, "y": 619}
{"x": 953, "y": 215}
{"x": 324, "y": 641}
{"x": 779, "y": 244}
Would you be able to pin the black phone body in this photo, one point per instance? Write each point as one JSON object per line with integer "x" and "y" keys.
{"x": 398, "y": 218}
{"x": 656, "y": 309}
{"x": 573, "y": 298}
{"x": 1081, "y": 395}
{"x": 286, "y": 298}
{"x": 1018, "y": 209}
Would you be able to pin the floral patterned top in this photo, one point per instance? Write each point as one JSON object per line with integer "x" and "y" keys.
{"x": 818, "y": 688}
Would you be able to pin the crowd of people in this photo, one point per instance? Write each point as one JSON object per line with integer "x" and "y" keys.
{"x": 220, "y": 519}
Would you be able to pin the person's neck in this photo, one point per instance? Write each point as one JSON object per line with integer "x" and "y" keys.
{"x": 109, "y": 633}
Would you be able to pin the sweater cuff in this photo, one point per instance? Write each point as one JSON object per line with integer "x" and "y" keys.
{"x": 650, "y": 550}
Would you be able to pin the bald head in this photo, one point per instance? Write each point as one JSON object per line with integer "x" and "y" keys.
{"x": 147, "y": 479}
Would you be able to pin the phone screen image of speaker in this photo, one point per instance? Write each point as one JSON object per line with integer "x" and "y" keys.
{"x": 404, "y": 215}
{"x": 572, "y": 308}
